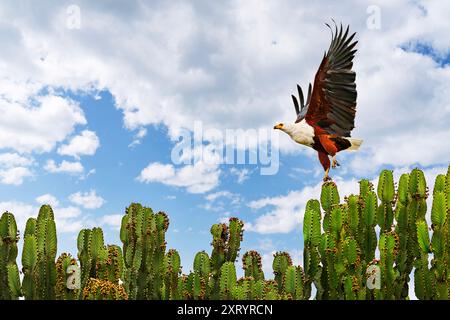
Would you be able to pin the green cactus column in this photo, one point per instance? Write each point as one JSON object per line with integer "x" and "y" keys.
{"x": 440, "y": 212}
{"x": 67, "y": 286}
{"x": 227, "y": 280}
{"x": 252, "y": 265}
{"x": 9, "y": 273}
{"x": 388, "y": 246}
{"x": 143, "y": 236}
{"x": 405, "y": 228}
{"x": 424, "y": 280}
{"x": 172, "y": 269}
{"x": 281, "y": 262}
{"x": 196, "y": 285}
{"x": 367, "y": 236}
{"x": 226, "y": 245}
{"x": 38, "y": 256}
{"x": 293, "y": 283}
{"x": 311, "y": 241}
{"x": 386, "y": 193}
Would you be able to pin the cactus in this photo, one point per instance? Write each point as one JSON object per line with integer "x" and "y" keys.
{"x": 251, "y": 262}
{"x": 293, "y": 282}
{"x": 227, "y": 280}
{"x": 281, "y": 262}
{"x": 9, "y": 273}
{"x": 143, "y": 236}
{"x": 226, "y": 246}
{"x": 38, "y": 256}
{"x": 63, "y": 276}
{"x": 386, "y": 192}
{"x": 311, "y": 239}
{"x": 440, "y": 212}
{"x": 368, "y": 206}
{"x": 172, "y": 268}
{"x": 338, "y": 255}
{"x": 97, "y": 289}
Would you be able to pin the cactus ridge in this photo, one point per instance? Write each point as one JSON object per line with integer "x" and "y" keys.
{"x": 339, "y": 245}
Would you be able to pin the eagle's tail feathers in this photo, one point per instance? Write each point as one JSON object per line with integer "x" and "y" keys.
{"x": 354, "y": 143}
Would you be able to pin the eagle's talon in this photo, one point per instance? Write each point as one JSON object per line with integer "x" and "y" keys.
{"x": 334, "y": 163}
{"x": 327, "y": 178}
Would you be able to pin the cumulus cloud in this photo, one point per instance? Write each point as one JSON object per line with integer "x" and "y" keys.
{"x": 14, "y": 176}
{"x": 37, "y": 125}
{"x": 68, "y": 219}
{"x": 196, "y": 178}
{"x": 14, "y": 168}
{"x": 65, "y": 166}
{"x": 87, "y": 200}
{"x": 111, "y": 220}
{"x": 225, "y": 62}
{"x": 47, "y": 199}
{"x": 84, "y": 144}
{"x": 10, "y": 160}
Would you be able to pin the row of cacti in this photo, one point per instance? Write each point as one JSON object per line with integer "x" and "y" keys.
{"x": 340, "y": 259}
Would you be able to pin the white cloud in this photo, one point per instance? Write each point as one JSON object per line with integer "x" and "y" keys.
{"x": 47, "y": 199}
{"x": 84, "y": 144}
{"x": 69, "y": 167}
{"x": 37, "y": 125}
{"x": 10, "y": 160}
{"x": 14, "y": 176}
{"x": 68, "y": 219}
{"x": 112, "y": 220}
{"x": 197, "y": 178}
{"x": 14, "y": 168}
{"x": 225, "y": 62}
{"x": 285, "y": 212}
{"x": 241, "y": 174}
{"x": 87, "y": 200}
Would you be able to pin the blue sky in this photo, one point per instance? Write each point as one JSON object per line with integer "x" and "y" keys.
{"x": 93, "y": 94}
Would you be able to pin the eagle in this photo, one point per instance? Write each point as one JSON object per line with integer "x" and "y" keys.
{"x": 326, "y": 120}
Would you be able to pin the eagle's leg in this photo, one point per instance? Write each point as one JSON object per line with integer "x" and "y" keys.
{"x": 325, "y": 161}
{"x": 334, "y": 162}
{"x": 329, "y": 144}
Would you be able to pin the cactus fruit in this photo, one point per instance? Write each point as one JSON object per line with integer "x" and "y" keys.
{"x": 97, "y": 289}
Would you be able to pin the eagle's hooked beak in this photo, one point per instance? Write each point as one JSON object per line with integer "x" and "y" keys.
{"x": 278, "y": 126}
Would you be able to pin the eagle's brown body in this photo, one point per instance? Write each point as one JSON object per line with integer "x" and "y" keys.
{"x": 325, "y": 122}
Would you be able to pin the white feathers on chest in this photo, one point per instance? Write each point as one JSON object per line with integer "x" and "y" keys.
{"x": 300, "y": 132}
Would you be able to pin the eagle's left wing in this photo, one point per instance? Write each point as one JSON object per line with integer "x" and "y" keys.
{"x": 333, "y": 101}
{"x": 301, "y": 110}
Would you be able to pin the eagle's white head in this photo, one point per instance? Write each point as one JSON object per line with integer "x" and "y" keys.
{"x": 288, "y": 128}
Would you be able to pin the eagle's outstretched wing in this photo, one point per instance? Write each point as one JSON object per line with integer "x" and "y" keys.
{"x": 301, "y": 110}
{"x": 331, "y": 107}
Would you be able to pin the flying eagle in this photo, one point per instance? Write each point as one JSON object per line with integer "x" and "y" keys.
{"x": 324, "y": 123}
